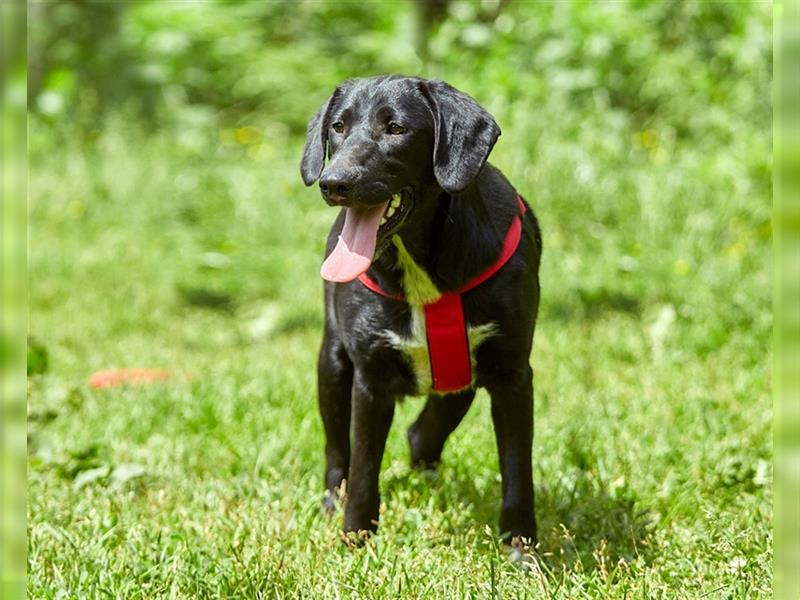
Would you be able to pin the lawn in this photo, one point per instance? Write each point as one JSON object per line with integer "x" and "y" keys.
{"x": 197, "y": 249}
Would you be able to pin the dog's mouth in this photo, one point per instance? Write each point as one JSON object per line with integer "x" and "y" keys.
{"x": 365, "y": 228}
{"x": 396, "y": 212}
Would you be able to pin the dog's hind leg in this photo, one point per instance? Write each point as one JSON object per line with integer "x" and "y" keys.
{"x": 334, "y": 381}
{"x": 428, "y": 434}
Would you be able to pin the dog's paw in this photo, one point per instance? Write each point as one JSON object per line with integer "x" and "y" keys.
{"x": 423, "y": 456}
{"x": 330, "y": 503}
{"x": 356, "y": 539}
{"x": 522, "y": 552}
{"x": 424, "y": 465}
{"x": 333, "y": 499}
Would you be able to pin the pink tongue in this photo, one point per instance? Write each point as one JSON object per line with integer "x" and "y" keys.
{"x": 356, "y": 247}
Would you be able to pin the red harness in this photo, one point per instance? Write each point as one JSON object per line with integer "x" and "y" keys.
{"x": 448, "y": 345}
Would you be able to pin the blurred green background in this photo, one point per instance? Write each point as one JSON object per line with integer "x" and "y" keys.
{"x": 169, "y": 229}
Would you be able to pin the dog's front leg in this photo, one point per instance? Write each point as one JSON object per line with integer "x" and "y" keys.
{"x": 372, "y": 412}
{"x": 335, "y": 380}
{"x": 512, "y": 413}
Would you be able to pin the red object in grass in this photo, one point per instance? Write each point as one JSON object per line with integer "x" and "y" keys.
{"x": 113, "y": 377}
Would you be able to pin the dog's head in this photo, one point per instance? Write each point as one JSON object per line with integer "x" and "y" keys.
{"x": 385, "y": 139}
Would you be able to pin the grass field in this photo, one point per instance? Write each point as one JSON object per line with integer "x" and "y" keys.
{"x": 643, "y": 145}
{"x": 652, "y": 450}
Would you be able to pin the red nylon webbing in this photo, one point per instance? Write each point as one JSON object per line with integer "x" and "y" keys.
{"x": 448, "y": 345}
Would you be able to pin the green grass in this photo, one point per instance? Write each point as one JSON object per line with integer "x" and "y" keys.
{"x": 184, "y": 240}
{"x": 651, "y": 358}
{"x": 639, "y": 132}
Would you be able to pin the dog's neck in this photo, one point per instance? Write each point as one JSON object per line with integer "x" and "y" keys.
{"x": 450, "y": 238}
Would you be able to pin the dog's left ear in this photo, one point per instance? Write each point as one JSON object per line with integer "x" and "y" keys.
{"x": 316, "y": 146}
{"x": 464, "y": 135}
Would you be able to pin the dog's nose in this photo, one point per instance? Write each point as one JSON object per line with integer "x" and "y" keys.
{"x": 336, "y": 188}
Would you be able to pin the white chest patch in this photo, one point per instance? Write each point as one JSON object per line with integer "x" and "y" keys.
{"x": 415, "y": 347}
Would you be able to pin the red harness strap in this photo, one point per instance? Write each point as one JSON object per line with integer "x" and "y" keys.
{"x": 448, "y": 343}
{"x": 445, "y": 326}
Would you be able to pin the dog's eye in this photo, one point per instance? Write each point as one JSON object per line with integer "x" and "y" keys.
{"x": 396, "y": 129}
{"x": 338, "y": 127}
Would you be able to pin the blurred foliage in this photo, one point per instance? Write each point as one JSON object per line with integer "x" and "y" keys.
{"x": 658, "y": 63}
{"x": 37, "y": 358}
{"x": 639, "y": 130}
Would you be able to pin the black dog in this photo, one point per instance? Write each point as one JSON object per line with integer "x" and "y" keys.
{"x": 423, "y": 215}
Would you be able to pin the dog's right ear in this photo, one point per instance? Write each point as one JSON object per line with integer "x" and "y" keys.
{"x": 316, "y": 147}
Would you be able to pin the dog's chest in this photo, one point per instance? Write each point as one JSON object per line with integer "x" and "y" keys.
{"x": 454, "y": 362}
{"x": 414, "y": 349}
